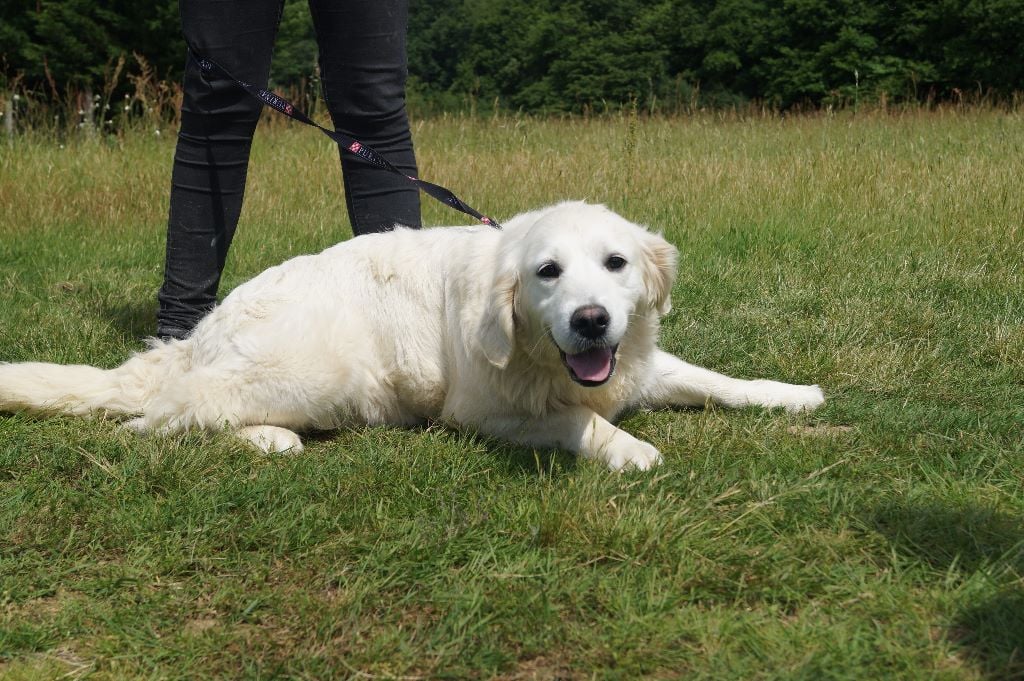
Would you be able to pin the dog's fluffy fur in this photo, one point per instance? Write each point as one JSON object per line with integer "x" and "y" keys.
{"x": 542, "y": 334}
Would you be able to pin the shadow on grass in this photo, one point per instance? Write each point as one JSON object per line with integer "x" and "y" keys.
{"x": 991, "y": 632}
{"x": 133, "y": 321}
{"x": 513, "y": 460}
{"x": 521, "y": 461}
{"x": 516, "y": 460}
{"x": 969, "y": 535}
{"x": 969, "y": 538}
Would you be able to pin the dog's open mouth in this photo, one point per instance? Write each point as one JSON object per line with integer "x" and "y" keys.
{"x": 591, "y": 367}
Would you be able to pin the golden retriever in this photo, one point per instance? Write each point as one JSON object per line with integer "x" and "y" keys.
{"x": 542, "y": 333}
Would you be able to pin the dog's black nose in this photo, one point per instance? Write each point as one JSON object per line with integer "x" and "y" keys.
{"x": 590, "y": 321}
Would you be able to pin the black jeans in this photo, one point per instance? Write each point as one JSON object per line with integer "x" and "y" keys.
{"x": 362, "y": 67}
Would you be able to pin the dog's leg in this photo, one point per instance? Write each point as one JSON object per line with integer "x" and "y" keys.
{"x": 674, "y": 383}
{"x": 271, "y": 439}
{"x": 579, "y": 430}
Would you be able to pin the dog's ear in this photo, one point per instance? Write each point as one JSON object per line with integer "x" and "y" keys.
{"x": 498, "y": 328}
{"x": 659, "y": 271}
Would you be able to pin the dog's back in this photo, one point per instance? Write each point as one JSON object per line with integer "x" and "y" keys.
{"x": 354, "y": 334}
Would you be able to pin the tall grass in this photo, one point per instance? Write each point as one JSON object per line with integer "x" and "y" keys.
{"x": 132, "y": 99}
{"x": 877, "y": 253}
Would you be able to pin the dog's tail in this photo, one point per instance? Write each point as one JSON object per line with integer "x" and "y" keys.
{"x": 81, "y": 390}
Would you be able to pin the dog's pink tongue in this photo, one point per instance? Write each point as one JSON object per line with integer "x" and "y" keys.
{"x": 592, "y": 365}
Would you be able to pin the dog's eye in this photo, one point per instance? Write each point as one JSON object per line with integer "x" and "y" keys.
{"x": 615, "y": 262}
{"x": 549, "y": 270}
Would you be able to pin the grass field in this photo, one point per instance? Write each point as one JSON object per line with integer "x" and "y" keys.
{"x": 882, "y": 537}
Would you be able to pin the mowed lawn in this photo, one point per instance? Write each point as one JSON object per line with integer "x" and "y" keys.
{"x": 879, "y": 255}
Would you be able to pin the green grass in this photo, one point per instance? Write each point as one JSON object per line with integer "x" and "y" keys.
{"x": 882, "y": 537}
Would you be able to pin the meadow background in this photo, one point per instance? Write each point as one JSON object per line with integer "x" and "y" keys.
{"x": 843, "y": 181}
{"x": 878, "y": 253}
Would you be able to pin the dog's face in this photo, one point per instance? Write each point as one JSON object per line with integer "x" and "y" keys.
{"x": 574, "y": 280}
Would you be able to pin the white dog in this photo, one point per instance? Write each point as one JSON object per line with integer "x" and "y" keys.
{"x": 541, "y": 334}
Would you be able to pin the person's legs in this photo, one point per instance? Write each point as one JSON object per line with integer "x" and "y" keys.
{"x": 363, "y": 70}
{"x": 210, "y": 162}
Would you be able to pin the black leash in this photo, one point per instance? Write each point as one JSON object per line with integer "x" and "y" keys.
{"x": 350, "y": 144}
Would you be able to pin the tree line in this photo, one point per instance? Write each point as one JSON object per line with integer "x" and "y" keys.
{"x": 579, "y": 55}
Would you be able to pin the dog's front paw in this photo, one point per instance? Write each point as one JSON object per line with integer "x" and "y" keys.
{"x": 793, "y": 398}
{"x": 634, "y": 455}
{"x": 804, "y": 398}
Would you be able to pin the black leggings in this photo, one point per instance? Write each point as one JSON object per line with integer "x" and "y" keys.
{"x": 362, "y": 68}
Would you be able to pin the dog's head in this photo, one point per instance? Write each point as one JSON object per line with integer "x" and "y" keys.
{"x": 570, "y": 281}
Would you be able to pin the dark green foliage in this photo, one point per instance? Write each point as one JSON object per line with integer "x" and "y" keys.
{"x": 542, "y": 55}
{"x": 72, "y": 42}
{"x": 577, "y": 55}
{"x": 15, "y": 29}
{"x": 558, "y": 56}
{"x": 295, "y": 53}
